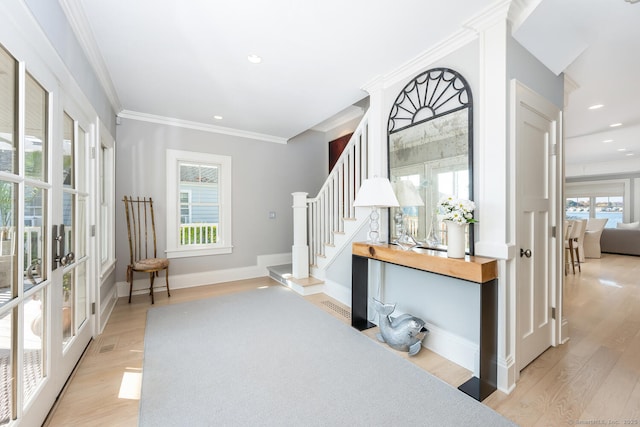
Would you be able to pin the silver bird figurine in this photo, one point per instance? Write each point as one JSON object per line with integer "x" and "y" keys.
{"x": 404, "y": 333}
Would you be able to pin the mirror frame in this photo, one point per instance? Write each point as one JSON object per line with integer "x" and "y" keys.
{"x": 430, "y": 95}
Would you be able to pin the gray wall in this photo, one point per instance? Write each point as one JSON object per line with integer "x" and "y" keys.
{"x": 264, "y": 176}
{"x": 532, "y": 73}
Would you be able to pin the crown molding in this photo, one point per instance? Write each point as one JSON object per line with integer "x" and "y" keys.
{"x": 80, "y": 25}
{"x": 350, "y": 113}
{"x": 570, "y": 86}
{"x": 468, "y": 33}
{"x": 494, "y": 13}
{"x": 151, "y": 118}
{"x": 420, "y": 62}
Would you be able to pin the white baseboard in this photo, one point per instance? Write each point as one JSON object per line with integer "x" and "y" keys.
{"x": 507, "y": 375}
{"x": 189, "y": 280}
{"x": 565, "y": 330}
{"x": 459, "y": 350}
{"x": 450, "y": 346}
{"x": 337, "y": 292}
{"x": 455, "y": 348}
{"x": 107, "y": 308}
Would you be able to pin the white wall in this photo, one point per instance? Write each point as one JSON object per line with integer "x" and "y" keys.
{"x": 586, "y": 171}
{"x": 264, "y": 176}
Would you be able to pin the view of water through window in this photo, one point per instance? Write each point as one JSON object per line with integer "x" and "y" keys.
{"x": 611, "y": 208}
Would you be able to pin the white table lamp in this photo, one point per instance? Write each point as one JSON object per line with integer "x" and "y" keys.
{"x": 375, "y": 193}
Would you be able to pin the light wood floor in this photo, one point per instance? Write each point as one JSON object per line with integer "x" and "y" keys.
{"x": 592, "y": 378}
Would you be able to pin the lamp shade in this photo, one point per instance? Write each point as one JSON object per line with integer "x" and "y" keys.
{"x": 407, "y": 193}
{"x": 376, "y": 192}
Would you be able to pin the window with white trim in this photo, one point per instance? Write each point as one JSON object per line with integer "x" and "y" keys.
{"x": 198, "y": 204}
{"x": 185, "y": 206}
{"x": 598, "y": 199}
{"x": 106, "y": 189}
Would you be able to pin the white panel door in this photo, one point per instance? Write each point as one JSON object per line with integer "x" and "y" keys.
{"x": 537, "y": 131}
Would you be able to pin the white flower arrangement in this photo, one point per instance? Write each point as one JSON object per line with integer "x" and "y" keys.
{"x": 456, "y": 210}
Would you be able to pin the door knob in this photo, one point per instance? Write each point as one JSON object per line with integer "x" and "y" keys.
{"x": 526, "y": 253}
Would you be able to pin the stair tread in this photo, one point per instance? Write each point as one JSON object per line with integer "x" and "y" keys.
{"x": 308, "y": 281}
{"x": 285, "y": 272}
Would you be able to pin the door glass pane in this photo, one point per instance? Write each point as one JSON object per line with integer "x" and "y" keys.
{"x": 35, "y": 132}
{"x": 81, "y": 184}
{"x": 81, "y": 228}
{"x": 33, "y": 343}
{"x": 34, "y": 236}
{"x": 67, "y": 156}
{"x": 68, "y": 216}
{"x": 6, "y": 370}
{"x": 81, "y": 294}
{"x": 67, "y": 306}
{"x": 8, "y": 71}
{"x": 8, "y": 257}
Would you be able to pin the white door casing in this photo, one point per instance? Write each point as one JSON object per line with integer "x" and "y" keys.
{"x": 537, "y": 133}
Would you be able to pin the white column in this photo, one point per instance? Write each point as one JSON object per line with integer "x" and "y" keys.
{"x": 496, "y": 197}
{"x": 300, "y": 249}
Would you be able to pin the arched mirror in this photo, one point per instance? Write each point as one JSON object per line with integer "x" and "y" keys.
{"x": 430, "y": 142}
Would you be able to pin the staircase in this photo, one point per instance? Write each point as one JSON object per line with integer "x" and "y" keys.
{"x": 327, "y": 223}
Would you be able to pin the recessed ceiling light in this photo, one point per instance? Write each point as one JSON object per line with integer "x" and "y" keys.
{"x": 629, "y": 154}
{"x": 622, "y": 149}
{"x": 254, "y": 59}
{"x": 595, "y": 107}
{"x": 607, "y": 141}
{"x": 217, "y": 117}
{"x": 615, "y": 125}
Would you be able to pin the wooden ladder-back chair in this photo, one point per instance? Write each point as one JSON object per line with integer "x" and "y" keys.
{"x": 141, "y": 227}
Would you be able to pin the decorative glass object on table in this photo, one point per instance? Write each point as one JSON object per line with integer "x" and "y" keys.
{"x": 408, "y": 198}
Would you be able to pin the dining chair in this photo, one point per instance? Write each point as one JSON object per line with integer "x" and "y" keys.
{"x": 580, "y": 240}
{"x": 568, "y": 247}
{"x": 141, "y": 228}
{"x": 577, "y": 233}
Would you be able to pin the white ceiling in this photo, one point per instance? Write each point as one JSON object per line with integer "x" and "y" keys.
{"x": 187, "y": 60}
{"x": 597, "y": 44}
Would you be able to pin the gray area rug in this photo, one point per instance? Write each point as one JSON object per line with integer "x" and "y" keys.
{"x": 267, "y": 357}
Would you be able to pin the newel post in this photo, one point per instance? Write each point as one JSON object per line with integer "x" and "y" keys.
{"x": 300, "y": 249}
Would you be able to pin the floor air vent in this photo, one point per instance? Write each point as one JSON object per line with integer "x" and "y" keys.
{"x": 346, "y": 313}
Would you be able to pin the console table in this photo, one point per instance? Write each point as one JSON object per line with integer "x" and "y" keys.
{"x": 479, "y": 271}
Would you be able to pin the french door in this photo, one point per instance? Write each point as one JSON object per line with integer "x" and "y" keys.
{"x": 45, "y": 322}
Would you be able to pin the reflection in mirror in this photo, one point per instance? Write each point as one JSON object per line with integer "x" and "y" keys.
{"x": 430, "y": 155}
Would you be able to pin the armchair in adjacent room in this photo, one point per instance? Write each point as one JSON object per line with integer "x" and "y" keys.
{"x": 592, "y": 237}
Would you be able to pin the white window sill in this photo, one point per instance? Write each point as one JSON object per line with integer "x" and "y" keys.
{"x": 186, "y": 253}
